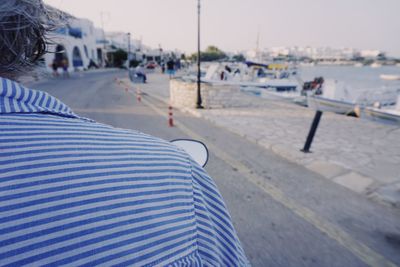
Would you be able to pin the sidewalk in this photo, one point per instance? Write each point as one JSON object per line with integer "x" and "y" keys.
{"x": 362, "y": 155}
{"x": 44, "y": 75}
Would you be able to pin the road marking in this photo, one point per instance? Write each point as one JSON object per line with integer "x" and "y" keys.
{"x": 360, "y": 250}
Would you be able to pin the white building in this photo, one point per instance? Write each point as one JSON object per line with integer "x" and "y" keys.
{"x": 117, "y": 40}
{"x": 370, "y": 53}
{"x": 328, "y": 54}
{"x": 79, "y": 45}
{"x": 75, "y": 45}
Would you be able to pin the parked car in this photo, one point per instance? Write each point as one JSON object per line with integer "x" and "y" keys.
{"x": 151, "y": 65}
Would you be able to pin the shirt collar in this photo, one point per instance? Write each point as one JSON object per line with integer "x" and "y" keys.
{"x": 15, "y": 98}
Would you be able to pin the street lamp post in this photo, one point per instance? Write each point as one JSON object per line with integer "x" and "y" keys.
{"x": 129, "y": 54}
{"x": 199, "y": 102}
{"x": 104, "y": 52}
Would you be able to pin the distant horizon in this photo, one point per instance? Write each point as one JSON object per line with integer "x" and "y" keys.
{"x": 234, "y": 26}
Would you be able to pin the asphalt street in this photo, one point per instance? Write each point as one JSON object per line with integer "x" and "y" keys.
{"x": 285, "y": 214}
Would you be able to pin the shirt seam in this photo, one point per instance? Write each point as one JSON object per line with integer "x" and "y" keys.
{"x": 194, "y": 210}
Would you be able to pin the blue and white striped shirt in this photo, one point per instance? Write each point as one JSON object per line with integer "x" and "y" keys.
{"x": 79, "y": 193}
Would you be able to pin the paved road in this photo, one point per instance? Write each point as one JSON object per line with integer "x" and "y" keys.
{"x": 285, "y": 214}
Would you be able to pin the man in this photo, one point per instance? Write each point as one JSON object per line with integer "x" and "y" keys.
{"x": 171, "y": 68}
{"x": 139, "y": 70}
{"x": 76, "y": 192}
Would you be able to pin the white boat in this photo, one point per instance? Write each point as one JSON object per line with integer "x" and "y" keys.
{"x": 307, "y": 64}
{"x": 279, "y": 80}
{"x": 277, "y": 85}
{"x": 376, "y": 65}
{"x": 391, "y": 112}
{"x": 272, "y": 93}
{"x": 390, "y": 77}
{"x": 332, "y": 105}
{"x": 335, "y": 97}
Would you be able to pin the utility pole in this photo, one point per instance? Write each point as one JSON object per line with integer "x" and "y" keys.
{"x": 129, "y": 48}
{"x": 104, "y": 52}
{"x": 161, "y": 53}
{"x": 258, "y": 57}
{"x": 129, "y": 54}
{"x": 199, "y": 102}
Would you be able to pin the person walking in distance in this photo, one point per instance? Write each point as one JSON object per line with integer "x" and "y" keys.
{"x": 170, "y": 68}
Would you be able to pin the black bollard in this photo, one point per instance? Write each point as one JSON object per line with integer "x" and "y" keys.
{"x": 311, "y": 134}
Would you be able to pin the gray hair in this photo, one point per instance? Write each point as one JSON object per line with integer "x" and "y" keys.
{"x": 23, "y": 28}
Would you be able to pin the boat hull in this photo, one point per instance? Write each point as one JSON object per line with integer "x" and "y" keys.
{"x": 389, "y": 77}
{"x": 383, "y": 114}
{"x": 279, "y": 85}
{"x": 331, "y": 105}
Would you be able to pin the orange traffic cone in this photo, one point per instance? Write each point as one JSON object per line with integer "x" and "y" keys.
{"x": 139, "y": 95}
{"x": 170, "y": 117}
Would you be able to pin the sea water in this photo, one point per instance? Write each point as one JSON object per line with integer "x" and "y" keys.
{"x": 363, "y": 84}
{"x": 357, "y": 78}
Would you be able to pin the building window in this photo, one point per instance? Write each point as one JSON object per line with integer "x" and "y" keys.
{"x": 76, "y": 57}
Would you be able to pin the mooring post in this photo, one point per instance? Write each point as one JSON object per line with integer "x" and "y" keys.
{"x": 312, "y": 132}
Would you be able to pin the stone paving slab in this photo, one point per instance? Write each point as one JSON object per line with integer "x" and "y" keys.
{"x": 359, "y": 154}
{"x": 354, "y": 181}
{"x": 328, "y": 170}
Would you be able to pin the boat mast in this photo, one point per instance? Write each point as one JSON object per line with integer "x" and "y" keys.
{"x": 258, "y": 54}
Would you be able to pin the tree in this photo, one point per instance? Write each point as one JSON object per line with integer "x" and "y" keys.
{"x": 192, "y": 57}
{"x": 213, "y": 49}
{"x": 212, "y": 53}
{"x": 239, "y": 58}
{"x": 120, "y": 56}
{"x": 134, "y": 63}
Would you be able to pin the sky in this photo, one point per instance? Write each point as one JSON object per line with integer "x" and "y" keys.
{"x": 233, "y": 25}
